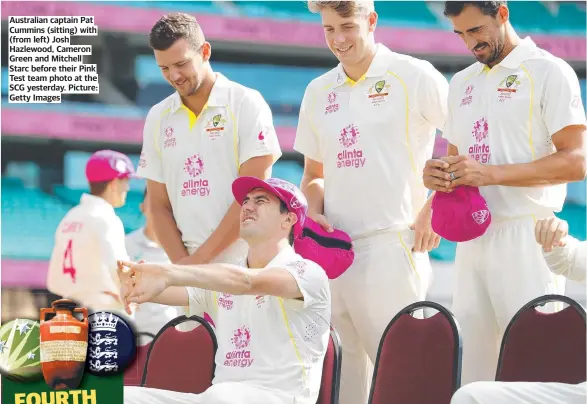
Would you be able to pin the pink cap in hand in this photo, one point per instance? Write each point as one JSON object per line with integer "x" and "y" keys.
{"x": 460, "y": 215}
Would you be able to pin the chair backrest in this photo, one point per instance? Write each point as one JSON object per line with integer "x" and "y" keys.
{"x": 181, "y": 360}
{"x": 419, "y": 359}
{"x": 330, "y": 383}
{"x": 544, "y": 347}
{"x": 133, "y": 375}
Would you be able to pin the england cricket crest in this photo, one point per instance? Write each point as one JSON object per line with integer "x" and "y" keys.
{"x": 111, "y": 345}
{"x": 378, "y": 92}
{"x": 215, "y": 127}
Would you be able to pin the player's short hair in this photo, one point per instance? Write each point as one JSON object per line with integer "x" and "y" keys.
{"x": 455, "y": 8}
{"x": 343, "y": 8}
{"x": 98, "y": 188}
{"x": 283, "y": 209}
{"x": 174, "y": 26}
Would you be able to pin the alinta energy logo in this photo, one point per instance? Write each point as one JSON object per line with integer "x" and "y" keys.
{"x": 241, "y": 356}
{"x": 169, "y": 138}
{"x": 332, "y": 104}
{"x": 225, "y": 301}
{"x": 480, "y": 149}
{"x": 195, "y": 186}
{"x": 349, "y": 136}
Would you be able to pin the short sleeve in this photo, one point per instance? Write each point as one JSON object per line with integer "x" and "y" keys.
{"x": 199, "y": 301}
{"x": 307, "y": 141}
{"x": 312, "y": 281}
{"x": 433, "y": 97}
{"x": 150, "y": 165}
{"x": 256, "y": 133}
{"x": 448, "y": 132}
{"x": 561, "y": 99}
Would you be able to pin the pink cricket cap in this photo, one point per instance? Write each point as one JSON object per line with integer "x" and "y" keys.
{"x": 291, "y": 195}
{"x": 461, "y": 215}
{"x": 332, "y": 251}
{"x": 106, "y": 165}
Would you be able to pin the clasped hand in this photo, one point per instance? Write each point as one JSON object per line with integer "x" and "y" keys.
{"x": 446, "y": 173}
{"x": 140, "y": 282}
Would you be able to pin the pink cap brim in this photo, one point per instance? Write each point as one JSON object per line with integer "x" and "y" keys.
{"x": 243, "y": 185}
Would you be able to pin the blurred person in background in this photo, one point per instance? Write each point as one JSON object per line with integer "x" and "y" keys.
{"x": 516, "y": 129}
{"x": 567, "y": 256}
{"x": 196, "y": 142}
{"x": 142, "y": 245}
{"x": 90, "y": 239}
{"x": 272, "y": 341}
{"x": 366, "y": 129}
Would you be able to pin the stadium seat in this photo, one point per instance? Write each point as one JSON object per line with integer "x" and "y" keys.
{"x": 544, "y": 347}
{"x": 419, "y": 360}
{"x": 181, "y": 360}
{"x": 133, "y": 375}
{"x": 330, "y": 383}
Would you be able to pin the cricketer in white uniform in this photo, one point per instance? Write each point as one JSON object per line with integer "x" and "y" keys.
{"x": 196, "y": 142}
{"x": 90, "y": 238}
{"x": 565, "y": 256}
{"x": 366, "y": 129}
{"x": 272, "y": 310}
{"x": 142, "y": 244}
{"x": 516, "y": 129}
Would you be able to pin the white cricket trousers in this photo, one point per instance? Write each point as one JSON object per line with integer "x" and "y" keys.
{"x": 520, "y": 393}
{"x": 221, "y": 393}
{"x": 385, "y": 277}
{"x": 495, "y": 275}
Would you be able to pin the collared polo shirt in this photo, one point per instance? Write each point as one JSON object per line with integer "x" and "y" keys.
{"x": 88, "y": 242}
{"x": 373, "y": 137}
{"x": 198, "y": 157}
{"x": 508, "y": 114}
{"x": 269, "y": 342}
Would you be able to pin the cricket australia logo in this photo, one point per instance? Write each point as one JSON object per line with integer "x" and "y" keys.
{"x": 378, "y": 92}
{"x": 507, "y": 87}
{"x": 215, "y": 127}
{"x": 480, "y": 216}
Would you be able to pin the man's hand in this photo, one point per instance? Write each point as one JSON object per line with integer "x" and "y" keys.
{"x": 147, "y": 281}
{"x": 464, "y": 170}
{"x": 126, "y": 285}
{"x": 321, "y": 220}
{"x": 434, "y": 176}
{"x": 551, "y": 232}
{"x": 425, "y": 238}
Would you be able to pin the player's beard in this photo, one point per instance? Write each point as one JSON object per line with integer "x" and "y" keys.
{"x": 496, "y": 49}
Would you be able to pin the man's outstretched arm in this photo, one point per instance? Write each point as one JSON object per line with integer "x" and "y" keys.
{"x": 151, "y": 280}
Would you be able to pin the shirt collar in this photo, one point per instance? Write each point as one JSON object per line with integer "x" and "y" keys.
{"x": 522, "y": 52}
{"x": 218, "y": 96}
{"x": 98, "y": 201}
{"x": 283, "y": 257}
{"x": 377, "y": 68}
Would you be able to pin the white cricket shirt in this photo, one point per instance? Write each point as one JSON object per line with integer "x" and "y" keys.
{"x": 198, "y": 158}
{"x": 570, "y": 260}
{"x": 373, "y": 137}
{"x": 88, "y": 242}
{"x": 269, "y": 342}
{"x": 149, "y": 317}
{"x": 507, "y": 114}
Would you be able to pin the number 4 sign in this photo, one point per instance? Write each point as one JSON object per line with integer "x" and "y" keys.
{"x": 68, "y": 267}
